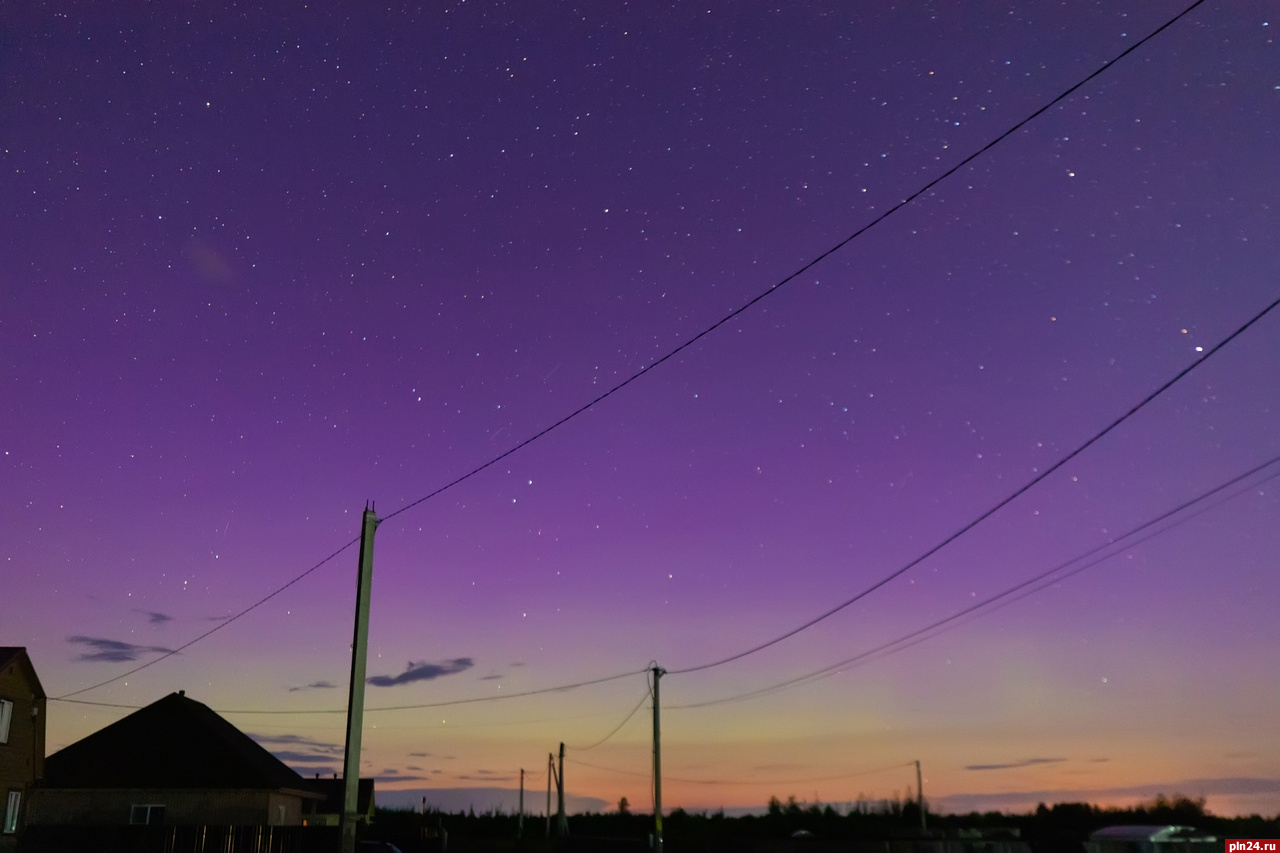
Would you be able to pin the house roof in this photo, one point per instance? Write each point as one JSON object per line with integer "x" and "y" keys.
{"x": 175, "y": 742}
{"x": 18, "y": 655}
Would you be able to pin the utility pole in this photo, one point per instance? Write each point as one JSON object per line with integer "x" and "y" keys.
{"x": 658, "y": 672}
{"x": 520, "y": 821}
{"x": 920, "y": 795}
{"x": 562, "y": 819}
{"x": 355, "y": 696}
{"x": 551, "y": 769}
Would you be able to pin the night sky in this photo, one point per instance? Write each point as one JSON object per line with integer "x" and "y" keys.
{"x": 260, "y": 267}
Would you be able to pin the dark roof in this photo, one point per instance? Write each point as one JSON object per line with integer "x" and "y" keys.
{"x": 18, "y": 654}
{"x": 173, "y": 743}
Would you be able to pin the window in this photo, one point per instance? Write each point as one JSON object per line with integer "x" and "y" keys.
{"x": 11, "y": 812}
{"x": 148, "y": 814}
{"x": 6, "y": 714}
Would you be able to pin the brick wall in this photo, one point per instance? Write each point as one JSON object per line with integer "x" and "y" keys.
{"x": 22, "y": 758}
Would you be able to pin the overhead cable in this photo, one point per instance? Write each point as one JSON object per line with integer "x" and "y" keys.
{"x": 415, "y": 707}
{"x": 1017, "y": 126}
{"x": 836, "y": 778}
{"x": 808, "y": 265}
{"x": 1043, "y": 580}
{"x": 647, "y": 693}
{"x": 999, "y": 505}
{"x": 224, "y": 623}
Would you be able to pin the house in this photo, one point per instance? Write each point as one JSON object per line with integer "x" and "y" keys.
{"x": 22, "y": 716}
{"x": 174, "y": 762}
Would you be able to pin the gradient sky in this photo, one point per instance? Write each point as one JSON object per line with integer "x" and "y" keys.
{"x": 262, "y": 266}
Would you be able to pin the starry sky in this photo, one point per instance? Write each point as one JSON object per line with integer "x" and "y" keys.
{"x": 263, "y": 264}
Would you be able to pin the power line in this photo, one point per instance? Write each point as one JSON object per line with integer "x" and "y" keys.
{"x": 837, "y": 778}
{"x": 1048, "y": 577}
{"x": 1040, "y": 582}
{"x": 224, "y": 623}
{"x": 1036, "y": 583}
{"x": 1017, "y": 126}
{"x": 999, "y": 505}
{"x": 965, "y": 161}
{"x": 478, "y": 699}
{"x": 648, "y": 692}
{"x": 422, "y": 706}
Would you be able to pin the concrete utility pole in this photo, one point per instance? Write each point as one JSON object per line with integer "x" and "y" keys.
{"x": 355, "y": 697}
{"x": 920, "y": 795}
{"x": 658, "y": 672}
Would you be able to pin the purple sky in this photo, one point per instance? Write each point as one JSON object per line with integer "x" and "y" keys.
{"x": 262, "y": 267}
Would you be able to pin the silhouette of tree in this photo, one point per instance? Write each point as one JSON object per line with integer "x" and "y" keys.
{"x": 1178, "y": 809}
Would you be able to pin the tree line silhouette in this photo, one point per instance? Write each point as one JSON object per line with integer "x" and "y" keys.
{"x": 793, "y": 824}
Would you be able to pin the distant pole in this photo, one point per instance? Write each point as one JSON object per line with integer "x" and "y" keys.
{"x": 562, "y": 819}
{"x": 355, "y": 696}
{"x": 551, "y": 769}
{"x": 658, "y": 672}
{"x": 520, "y": 821}
{"x": 920, "y": 795}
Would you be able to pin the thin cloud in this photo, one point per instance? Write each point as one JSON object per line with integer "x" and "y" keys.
{"x": 1014, "y": 800}
{"x": 423, "y": 672}
{"x": 315, "y": 685}
{"x": 113, "y": 651}
{"x": 288, "y": 756}
{"x": 452, "y": 800}
{"x": 305, "y": 754}
{"x": 486, "y": 776}
{"x": 154, "y": 617}
{"x": 1029, "y": 762}
{"x": 300, "y": 741}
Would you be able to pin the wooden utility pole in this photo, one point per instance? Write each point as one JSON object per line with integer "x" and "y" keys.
{"x": 551, "y": 769}
{"x": 920, "y": 795}
{"x": 658, "y": 672}
{"x": 355, "y": 695}
{"x": 562, "y": 819}
{"x": 520, "y": 821}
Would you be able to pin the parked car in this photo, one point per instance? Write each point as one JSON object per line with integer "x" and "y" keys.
{"x": 376, "y": 847}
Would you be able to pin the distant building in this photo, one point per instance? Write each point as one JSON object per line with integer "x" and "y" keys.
{"x": 173, "y": 762}
{"x": 328, "y": 812}
{"x": 22, "y": 716}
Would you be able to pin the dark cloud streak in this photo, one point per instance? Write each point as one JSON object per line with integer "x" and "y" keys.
{"x": 113, "y": 651}
{"x": 290, "y": 757}
{"x": 315, "y": 685}
{"x": 423, "y": 672}
{"x": 1029, "y": 762}
{"x": 155, "y": 617}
